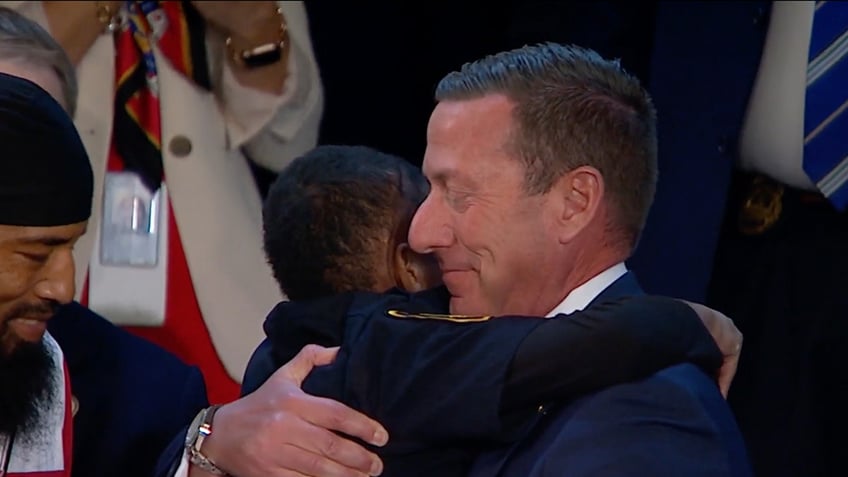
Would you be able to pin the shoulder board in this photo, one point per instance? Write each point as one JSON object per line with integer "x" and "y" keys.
{"x": 438, "y": 316}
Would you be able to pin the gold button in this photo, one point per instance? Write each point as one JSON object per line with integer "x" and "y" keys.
{"x": 180, "y": 146}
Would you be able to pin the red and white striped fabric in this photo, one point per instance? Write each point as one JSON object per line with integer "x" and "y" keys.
{"x": 46, "y": 450}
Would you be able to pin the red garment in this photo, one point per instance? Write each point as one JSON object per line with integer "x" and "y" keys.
{"x": 184, "y": 332}
{"x": 138, "y": 139}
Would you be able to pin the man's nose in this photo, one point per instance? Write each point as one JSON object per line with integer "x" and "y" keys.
{"x": 57, "y": 279}
{"x": 430, "y": 228}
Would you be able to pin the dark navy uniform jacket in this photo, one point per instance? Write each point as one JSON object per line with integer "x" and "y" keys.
{"x": 448, "y": 387}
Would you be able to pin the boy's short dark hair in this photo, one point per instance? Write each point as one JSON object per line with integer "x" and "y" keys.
{"x": 331, "y": 214}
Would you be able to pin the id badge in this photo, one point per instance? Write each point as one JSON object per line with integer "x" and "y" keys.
{"x": 129, "y": 231}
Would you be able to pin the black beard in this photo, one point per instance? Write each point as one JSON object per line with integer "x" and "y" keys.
{"x": 25, "y": 380}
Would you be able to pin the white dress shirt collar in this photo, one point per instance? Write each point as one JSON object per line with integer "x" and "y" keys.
{"x": 581, "y": 296}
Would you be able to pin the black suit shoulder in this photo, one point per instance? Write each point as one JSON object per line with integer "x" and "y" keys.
{"x": 133, "y": 395}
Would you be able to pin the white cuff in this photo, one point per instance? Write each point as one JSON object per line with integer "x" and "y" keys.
{"x": 182, "y": 470}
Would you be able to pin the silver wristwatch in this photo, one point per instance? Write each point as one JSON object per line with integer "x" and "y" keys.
{"x": 198, "y": 431}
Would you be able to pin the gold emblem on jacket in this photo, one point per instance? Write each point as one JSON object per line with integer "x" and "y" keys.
{"x": 762, "y": 207}
{"x": 439, "y": 316}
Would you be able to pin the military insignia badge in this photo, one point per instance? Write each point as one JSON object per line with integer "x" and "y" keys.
{"x": 438, "y": 316}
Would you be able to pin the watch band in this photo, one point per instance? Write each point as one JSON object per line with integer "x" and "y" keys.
{"x": 204, "y": 430}
{"x": 264, "y": 54}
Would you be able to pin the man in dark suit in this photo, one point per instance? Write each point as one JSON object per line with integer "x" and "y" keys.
{"x": 125, "y": 397}
{"x": 37, "y": 235}
{"x": 542, "y": 164}
{"x": 129, "y": 396}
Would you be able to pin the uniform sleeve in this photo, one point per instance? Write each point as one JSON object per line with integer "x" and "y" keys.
{"x": 606, "y": 344}
{"x": 260, "y": 367}
{"x": 434, "y": 379}
{"x": 425, "y": 376}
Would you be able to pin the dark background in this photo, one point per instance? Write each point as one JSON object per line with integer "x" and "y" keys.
{"x": 380, "y": 61}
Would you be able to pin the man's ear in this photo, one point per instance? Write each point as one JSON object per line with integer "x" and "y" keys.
{"x": 576, "y": 198}
{"x": 413, "y": 271}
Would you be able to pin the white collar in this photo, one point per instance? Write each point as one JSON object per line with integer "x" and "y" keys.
{"x": 581, "y": 296}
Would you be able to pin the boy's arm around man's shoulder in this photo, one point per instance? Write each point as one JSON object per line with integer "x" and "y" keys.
{"x": 429, "y": 377}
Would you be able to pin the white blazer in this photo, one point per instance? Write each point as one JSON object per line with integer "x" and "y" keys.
{"x": 216, "y": 204}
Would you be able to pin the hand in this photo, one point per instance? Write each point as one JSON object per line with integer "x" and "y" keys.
{"x": 727, "y": 337}
{"x": 246, "y": 20}
{"x": 279, "y": 430}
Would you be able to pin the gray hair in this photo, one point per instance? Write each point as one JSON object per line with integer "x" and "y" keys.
{"x": 25, "y": 41}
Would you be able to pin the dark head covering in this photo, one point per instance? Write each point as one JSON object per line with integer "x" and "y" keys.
{"x": 45, "y": 176}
